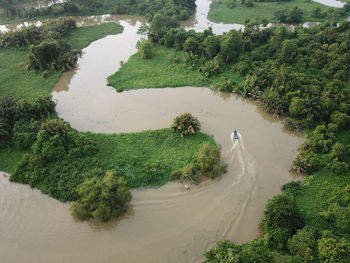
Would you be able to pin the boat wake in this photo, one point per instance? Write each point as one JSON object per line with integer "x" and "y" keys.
{"x": 244, "y": 178}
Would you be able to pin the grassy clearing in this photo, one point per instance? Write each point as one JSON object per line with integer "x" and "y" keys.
{"x": 148, "y": 157}
{"x": 83, "y": 36}
{"x": 161, "y": 71}
{"x": 17, "y": 82}
{"x": 219, "y": 12}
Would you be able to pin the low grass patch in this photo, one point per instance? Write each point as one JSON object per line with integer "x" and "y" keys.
{"x": 83, "y": 36}
{"x": 166, "y": 68}
{"x": 9, "y": 157}
{"x": 148, "y": 157}
{"x": 219, "y": 12}
{"x": 17, "y": 82}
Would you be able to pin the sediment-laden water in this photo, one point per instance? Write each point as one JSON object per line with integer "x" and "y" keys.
{"x": 164, "y": 224}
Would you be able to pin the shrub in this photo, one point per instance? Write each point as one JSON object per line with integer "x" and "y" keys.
{"x": 338, "y": 167}
{"x": 226, "y": 251}
{"x": 101, "y": 198}
{"x": 292, "y": 124}
{"x": 231, "y": 3}
{"x": 56, "y": 141}
{"x": 278, "y": 237}
{"x": 208, "y": 160}
{"x": 292, "y": 187}
{"x": 307, "y": 162}
{"x": 186, "y": 124}
{"x": 56, "y": 55}
{"x": 304, "y": 244}
{"x": 334, "y": 250}
{"x": 338, "y": 216}
{"x": 281, "y": 216}
{"x": 207, "y": 163}
{"x": 339, "y": 151}
{"x": 145, "y": 49}
{"x": 210, "y": 68}
{"x": 24, "y": 133}
{"x": 341, "y": 120}
{"x": 321, "y": 139}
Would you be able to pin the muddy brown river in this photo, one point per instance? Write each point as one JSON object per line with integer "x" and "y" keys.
{"x": 164, "y": 224}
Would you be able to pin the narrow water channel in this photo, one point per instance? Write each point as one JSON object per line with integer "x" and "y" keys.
{"x": 164, "y": 224}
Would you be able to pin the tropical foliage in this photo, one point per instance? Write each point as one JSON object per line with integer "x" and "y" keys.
{"x": 186, "y": 124}
{"x": 101, "y": 198}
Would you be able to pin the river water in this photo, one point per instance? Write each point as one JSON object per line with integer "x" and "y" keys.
{"x": 164, "y": 224}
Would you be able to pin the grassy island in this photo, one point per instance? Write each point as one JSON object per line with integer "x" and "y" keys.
{"x": 46, "y": 153}
{"x": 167, "y": 68}
{"x": 221, "y": 12}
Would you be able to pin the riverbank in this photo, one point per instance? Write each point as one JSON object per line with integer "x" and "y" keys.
{"x": 166, "y": 68}
{"x": 220, "y": 12}
{"x": 16, "y": 81}
{"x": 144, "y": 159}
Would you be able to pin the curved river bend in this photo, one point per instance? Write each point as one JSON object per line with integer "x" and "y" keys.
{"x": 165, "y": 224}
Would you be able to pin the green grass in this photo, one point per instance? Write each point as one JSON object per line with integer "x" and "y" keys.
{"x": 148, "y": 157}
{"x": 219, "y": 12}
{"x": 9, "y": 157}
{"x": 17, "y": 82}
{"x": 321, "y": 191}
{"x": 83, "y": 36}
{"x": 107, "y": 8}
{"x": 161, "y": 71}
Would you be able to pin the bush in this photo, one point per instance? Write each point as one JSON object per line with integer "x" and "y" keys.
{"x": 339, "y": 167}
{"x": 307, "y": 162}
{"x": 210, "y": 68}
{"x": 341, "y": 120}
{"x": 185, "y": 124}
{"x": 208, "y": 160}
{"x": 292, "y": 124}
{"x": 145, "y": 49}
{"x": 304, "y": 244}
{"x": 334, "y": 250}
{"x": 339, "y": 151}
{"x": 338, "y": 216}
{"x": 278, "y": 237}
{"x": 101, "y": 198}
{"x": 226, "y": 251}
{"x": 281, "y": 218}
{"x": 57, "y": 55}
{"x": 24, "y": 133}
{"x": 321, "y": 139}
{"x": 292, "y": 187}
{"x": 207, "y": 163}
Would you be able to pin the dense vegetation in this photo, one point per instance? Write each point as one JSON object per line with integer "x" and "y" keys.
{"x": 101, "y": 198}
{"x": 62, "y": 162}
{"x": 303, "y": 75}
{"x": 178, "y": 10}
{"x": 60, "y": 158}
{"x": 294, "y": 11}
